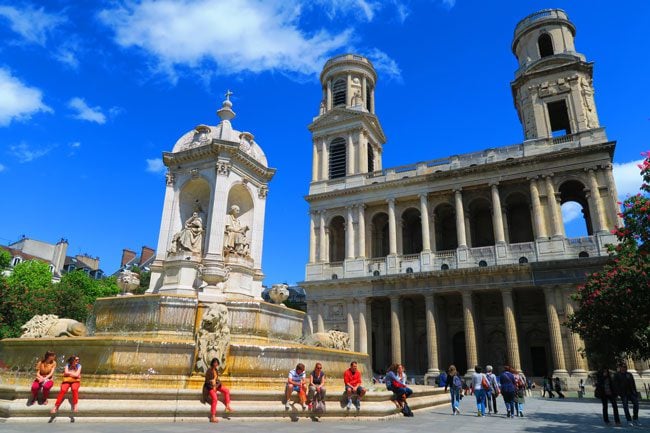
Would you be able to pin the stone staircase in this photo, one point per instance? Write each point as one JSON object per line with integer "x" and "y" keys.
{"x": 181, "y": 405}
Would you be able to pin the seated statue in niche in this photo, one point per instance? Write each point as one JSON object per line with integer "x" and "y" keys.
{"x": 236, "y": 243}
{"x": 190, "y": 238}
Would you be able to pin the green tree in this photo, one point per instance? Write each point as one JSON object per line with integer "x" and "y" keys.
{"x": 25, "y": 293}
{"x": 75, "y": 295}
{"x": 613, "y": 314}
{"x": 5, "y": 259}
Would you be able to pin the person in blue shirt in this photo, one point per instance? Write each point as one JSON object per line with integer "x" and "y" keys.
{"x": 455, "y": 385}
{"x": 508, "y": 389}
{"x": 396, "y": 382}
{"x": 442, "y": 379}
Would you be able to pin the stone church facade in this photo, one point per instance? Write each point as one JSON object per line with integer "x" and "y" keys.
{"x": 463, "y": 259}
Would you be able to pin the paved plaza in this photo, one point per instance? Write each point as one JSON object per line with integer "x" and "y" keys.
{"x": 542, "y": 415}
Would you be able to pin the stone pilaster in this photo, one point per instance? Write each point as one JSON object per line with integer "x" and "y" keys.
{"x": 322, "y": 253}
{"x": 312, "y": 237}
{"x": 512, "y": 339}
{"x": 395, "y": 329}
{"x": 432, "y": 335}
{"x": 613, "y": 195}
{"x": 314, "y": 162}
{"x": 597, "y": 212}
{"x": 470, "y": 332}
{"x": 350, "y": 156}
{"x": 557, "y": 351}
{"x": 460, "y": 219}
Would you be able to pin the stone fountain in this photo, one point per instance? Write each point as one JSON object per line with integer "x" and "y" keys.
{"x": 204, "y": 298}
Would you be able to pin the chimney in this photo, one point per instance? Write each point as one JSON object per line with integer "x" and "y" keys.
{"x": 127, "y": 256}
{"x": 146, "y": 254}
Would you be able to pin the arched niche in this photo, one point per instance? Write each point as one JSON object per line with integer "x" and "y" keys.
{"x": 240, "y": 196}
{"x": 194, "y": 197}
{"x": 575, "y": 206}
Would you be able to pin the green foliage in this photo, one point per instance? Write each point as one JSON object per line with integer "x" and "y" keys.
{"x": 76, "y": 293}
{"x": 5, "y": 259}
{"x": 613, "y": 316}
{"x": 25, "y": 293}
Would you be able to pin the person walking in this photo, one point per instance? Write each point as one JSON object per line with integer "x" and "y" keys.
{"x": 557, "y": 384}
{"x": 44, "y": 373}
{"x": 71, "y": 380}
{"x": 442, "y": 379}
{"x": 520, "y": 391}
{"x": 508, "y": 389}
{"x": 493, "y": 392}
{"x": 455, "y": 385}
{"x": 606, "y": 392}
{"x": 480, "y": 385}
{"x": 548, "y": 387}
{"x": 211, "y": 386}
{"x": 627, "y": 391}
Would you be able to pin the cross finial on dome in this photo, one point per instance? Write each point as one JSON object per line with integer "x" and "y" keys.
{"x": 225, "y": 112}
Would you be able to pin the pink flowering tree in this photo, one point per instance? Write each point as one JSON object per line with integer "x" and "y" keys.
{"x": 613, "y": 314}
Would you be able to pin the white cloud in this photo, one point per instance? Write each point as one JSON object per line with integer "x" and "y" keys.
{"x": 384, "y": 65}
{"x": 2, "y": 168}
{"x": 449, "y": 3}
{"x": 75, "y": 145}
{"x": 360, "y": 8}
{"x": 628, "y": 178}
{"x": 17, "y": 100}
{"x": 571, "y": 211}
{"x": 155, "y": 165}
{"x": 242, "y": 35}
{"x": 32, "y": 24}
{"x": 85, "y": 112}
{"x": 25, "y": 153}
{"x": 67, "y": 56}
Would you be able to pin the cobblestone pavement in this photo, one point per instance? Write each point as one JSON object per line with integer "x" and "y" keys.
{"x": 541, "y": 416}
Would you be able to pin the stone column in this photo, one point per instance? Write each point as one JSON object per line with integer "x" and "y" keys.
{"x": 497, "y": 217}
{"x": 460, "y": 220}
{"x": 329, "y": 95}
{"x": 433, "y": 233}
{"x": 364, "y": 96}
{"x": 372, "y": 101}
{"x": 597, "y": 212}
{"x": 432, "y": 335}
{"x": 392, "y": 231}
{"x": 424, "y": 217}
{"x": 348, "y": 91}
{"x": 557, "y": 228}
{"x": 611, "y": 187}
{"x": 361, "y": 228}
{"x": 349, "y": 234}
{"x": 350, "y": 156}
{"x": 314, "y": 162}
{"x": 538, "y": 215}
{"x": 512, "y": 339}
{"x": 320, "y": 323}
{"x": 350, "y": 309}
{"x": 322, "y": 254}
{"x": 364, "y": 337}
{"x": 578, "y": 363}
{"x": 312, "y": 237}
{"x": 324, "y": 161}
{"x": 395, "y": 329}
{"x": 555, "y": 333}
{"x": 470, "y": 332}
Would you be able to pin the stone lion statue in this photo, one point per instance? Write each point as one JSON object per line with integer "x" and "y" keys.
{"x": 50, "y": 325}
{"x": 213, "y": 337}
{"x": 279, "y": 293}
{"x": 331, "y": 339}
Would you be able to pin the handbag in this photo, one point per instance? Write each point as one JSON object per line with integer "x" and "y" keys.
{"x": 485, "y": 384}
{"x": 406, "y": 410}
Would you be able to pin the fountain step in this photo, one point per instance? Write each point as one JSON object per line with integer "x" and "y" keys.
{"x": 247, "y": 405}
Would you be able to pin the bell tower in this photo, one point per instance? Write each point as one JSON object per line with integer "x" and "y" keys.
{"x": 553, "y": 87}
{"x": 347, "y": 137}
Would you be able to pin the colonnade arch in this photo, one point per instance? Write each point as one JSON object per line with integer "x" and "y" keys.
{"x": 411, "y": 231}
{"x": 337, "y": 239}
{"x": 445, "y": 227}
{"x": 518, "y": 216}
{"x": 481, "y": 229}
{"x": 572, "y": 196}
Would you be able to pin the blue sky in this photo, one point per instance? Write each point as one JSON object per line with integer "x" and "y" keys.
{"x": 90, "y": 96}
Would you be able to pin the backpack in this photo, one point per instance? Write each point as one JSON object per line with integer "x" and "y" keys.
{"x": 457, "y": 382}
{"x": 484, "y": 383}
{"x": 406, "y": 410}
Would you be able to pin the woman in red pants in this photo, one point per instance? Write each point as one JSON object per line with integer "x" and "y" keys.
{"x": 44, "y": 372}
{"x": 211, "y": 386}
{"x": 71, "y": 380}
